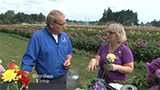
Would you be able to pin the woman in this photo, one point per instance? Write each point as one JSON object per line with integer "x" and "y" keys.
{"x": 124, "y": 62}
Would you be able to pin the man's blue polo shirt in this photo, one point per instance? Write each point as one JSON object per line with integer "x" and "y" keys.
{"x": 46, "y": 55}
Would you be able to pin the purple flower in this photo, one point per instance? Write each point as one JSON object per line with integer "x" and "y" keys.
{"x": 71, "y": 32}
{"x": 155, "y": 64}
{"x": 145, "y": 42}
{"x": 31, "y": 30}
{"x": 91, "y": 38}
{"x": 139, "y": 40}
{"x": 104, "y": 37}
{"x": 101, "y": 39}
{"x": 158, "y": 73}
{"x": 99, "y": 36}
{"x": 143, "y": 45}
{"x": 1, "y": 69}
{"x": 98, "y": 86}
{"x": 154, "y": 50}
{"x": 126, "y": 43}
{"x": 70, "y": 37}
{"x": 135, "y": 45}
{"x": 156, "y": 87}
{"x": 150, "y": 70}
{"x": 127, "y": 39}
{"x": 75, "y": 34}
{"x": 151, "y": 78}
{"x": 99, "y": 83}
{"x": 81, "y": 35}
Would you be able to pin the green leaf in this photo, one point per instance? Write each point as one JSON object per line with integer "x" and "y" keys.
{"x": 83, "y": 86}
{"x": 142, "y": 87}
{"x": 98, "y": 79}
{"x": 19, "y": 84}
{"x": 12, "y": 86}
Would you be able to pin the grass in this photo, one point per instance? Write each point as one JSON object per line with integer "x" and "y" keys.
{"x": 12, "y": 47}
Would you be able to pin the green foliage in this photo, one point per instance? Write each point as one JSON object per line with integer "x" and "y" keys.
{"x": 82, "y": 52}
{"x": 12, "y": 86}
{"x": 138, "y": 81}
{"x": 11, "y": 18}
{"x": 22, "y": 32}
{"x": 140, "y": 65}
{"x": 83, "y": 86}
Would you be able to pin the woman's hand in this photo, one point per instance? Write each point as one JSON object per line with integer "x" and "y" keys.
{"x": 113, "y": 67}
{"x": 125, "y": 69}
{"x": 92, "y": 64}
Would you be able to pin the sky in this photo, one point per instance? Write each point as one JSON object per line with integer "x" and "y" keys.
{"x": 84, "y": 10}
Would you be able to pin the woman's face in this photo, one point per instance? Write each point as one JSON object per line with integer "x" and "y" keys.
{"x": 111, "y": 36}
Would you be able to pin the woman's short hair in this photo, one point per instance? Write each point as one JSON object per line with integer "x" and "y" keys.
{"x": 53, "y": 16}
{"x": 119, "y": 30}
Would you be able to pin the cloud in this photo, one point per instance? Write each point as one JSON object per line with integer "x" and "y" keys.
{"x": 147, "y": 10}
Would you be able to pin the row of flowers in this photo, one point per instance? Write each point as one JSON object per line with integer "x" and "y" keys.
{"x": 14, "y": 77}
{"x": 142, "y": 43}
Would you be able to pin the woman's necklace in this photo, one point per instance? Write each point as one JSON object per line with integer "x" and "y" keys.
{"x": 113, "y": 49}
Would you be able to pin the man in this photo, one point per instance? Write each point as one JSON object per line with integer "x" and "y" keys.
{"x": 49, "y": 50}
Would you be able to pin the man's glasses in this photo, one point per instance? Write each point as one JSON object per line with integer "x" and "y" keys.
{"x": 111, "y": 32}
{"x": 61, "y": 24}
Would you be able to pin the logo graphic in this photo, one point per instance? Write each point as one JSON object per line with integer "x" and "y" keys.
{"x": 64, "y": 40}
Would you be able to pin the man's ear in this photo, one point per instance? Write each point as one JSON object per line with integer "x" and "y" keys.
{"x": 51, "y": 24}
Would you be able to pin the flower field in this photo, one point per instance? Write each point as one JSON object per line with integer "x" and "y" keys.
{"x": 144, "y": 42}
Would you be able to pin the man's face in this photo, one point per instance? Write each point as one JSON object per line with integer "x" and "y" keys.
{"x": 58, "y": 25}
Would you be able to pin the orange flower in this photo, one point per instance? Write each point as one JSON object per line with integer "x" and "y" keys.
{"x": 11, "y": 65}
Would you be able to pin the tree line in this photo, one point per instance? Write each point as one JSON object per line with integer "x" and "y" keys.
{"x": 11, "y": 18}
{"x": 127, "y": 17}
{"x": 155, "y": 23}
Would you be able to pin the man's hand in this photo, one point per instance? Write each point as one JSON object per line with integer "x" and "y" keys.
{"x": 66, "y": 64}
{"x": 27, "y": 72}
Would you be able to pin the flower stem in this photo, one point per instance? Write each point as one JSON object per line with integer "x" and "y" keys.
{"x": 104, "y": 73}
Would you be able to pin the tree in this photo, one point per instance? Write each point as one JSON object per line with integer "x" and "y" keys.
{"x": 8, "y": 16}
{"x": 20, "y": 17}
{"x": 41, "y": 18}
{"x": 107, "y": 15}
{"x": 155, "y": 23}
{"x": 127, "y": 17}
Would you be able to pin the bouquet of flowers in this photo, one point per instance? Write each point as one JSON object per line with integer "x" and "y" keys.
{"x": 16, "y": 78}
{"x": 153, "y": 78}
{"x": 96, "y": 84}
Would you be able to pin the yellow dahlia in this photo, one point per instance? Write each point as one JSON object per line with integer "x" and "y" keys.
{"x": 111, "y": 57}
{"x": 9, "y": 75}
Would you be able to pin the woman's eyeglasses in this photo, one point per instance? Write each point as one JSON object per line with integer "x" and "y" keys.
{"x": 111, "y": 32}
